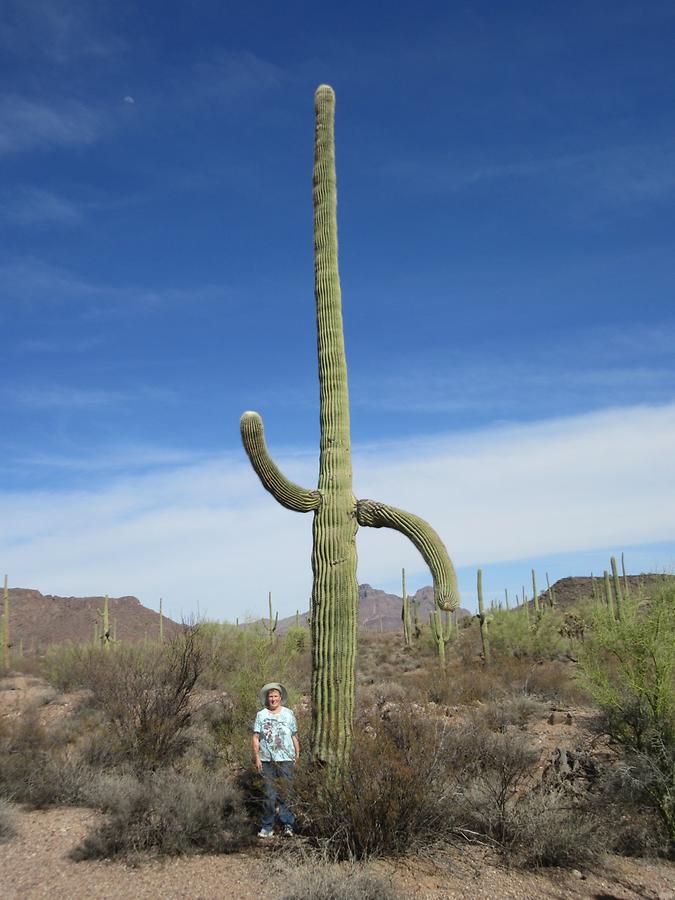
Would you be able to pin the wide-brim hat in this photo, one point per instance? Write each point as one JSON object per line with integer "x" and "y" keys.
{"x": 273, "y": 685}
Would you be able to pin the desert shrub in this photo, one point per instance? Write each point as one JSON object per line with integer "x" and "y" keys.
{"x": 510, "y": 712}
{"x": 67, "y": 666}
{"x": 497, "y": 797}
{"x": 7, "y": 830}
{"x": 144, "y": 694}
{"x": 167, "y": 814}
{"x": 489, "y": 773}
{"x": 391, "y": 798}
{"x": 628, "y": 666}
{"x": 548, "y": 831}
{"x": 35, "y": 770}
{"x": 379, "y": 693}
{"x": 336, "y": 882}
{"x": 513, "y": 634}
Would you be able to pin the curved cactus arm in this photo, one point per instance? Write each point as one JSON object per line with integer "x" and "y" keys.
{"x": 290, "y": 495}
{"x": 372, "y": 514}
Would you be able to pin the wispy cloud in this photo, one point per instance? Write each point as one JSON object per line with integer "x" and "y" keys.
{"x": 617, "y": 175}
{"x": 35, "y": 206}
{"x": 59, "y": 345}
{"x": 494, "y": 495}
{"x": 27, "y": 124}
{"x": 232, "y": 76}
{"x": 63, "y": 398}
{"x": 57, "y": 30}
{"x": 35, "y": 283}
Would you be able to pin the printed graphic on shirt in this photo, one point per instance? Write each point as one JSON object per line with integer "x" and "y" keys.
{"x": 276, "y": 735}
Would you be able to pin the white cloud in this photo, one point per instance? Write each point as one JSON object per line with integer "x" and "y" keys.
{"x": 29, "y": 124}
{"x": 34, "y": 206}
{"x": 207, "y": 535}
{"x": 35, "y": 283}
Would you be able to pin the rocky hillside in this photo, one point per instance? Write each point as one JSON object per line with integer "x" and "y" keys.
{"x": 39, "y": 619}
{"x": 380, "y": 611}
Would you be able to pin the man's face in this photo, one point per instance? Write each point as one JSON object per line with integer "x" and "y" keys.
{"x": 274, "y": 699}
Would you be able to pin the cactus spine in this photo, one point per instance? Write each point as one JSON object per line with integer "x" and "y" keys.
{"x": 337, "y": 513}
{"x": 483, "y": 619}
{"x": 405, "y": 612}
{"x": 617, "y": 588}
{"x": 6, "y": 643}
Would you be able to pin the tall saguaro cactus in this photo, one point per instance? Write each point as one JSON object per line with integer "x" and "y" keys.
{"x": 337, "y": 513}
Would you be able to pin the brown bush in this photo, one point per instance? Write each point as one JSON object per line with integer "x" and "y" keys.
{"x": 144, "y": 694}
{"x": 390, "y": 800}
{"x": 336, "y": 882}
{"x": 6, "y": 827}
{"x": 168, "y": 814}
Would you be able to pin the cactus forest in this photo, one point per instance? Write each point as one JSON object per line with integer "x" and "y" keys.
{"x": 337, "y": 513}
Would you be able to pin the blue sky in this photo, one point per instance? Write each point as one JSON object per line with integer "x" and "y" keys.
{"x": 506, "y": 188}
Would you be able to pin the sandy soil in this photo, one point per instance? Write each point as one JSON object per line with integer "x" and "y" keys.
{"x": 35, "y": 864}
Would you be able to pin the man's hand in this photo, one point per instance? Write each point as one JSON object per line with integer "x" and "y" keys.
{"x": 258, "y": 765}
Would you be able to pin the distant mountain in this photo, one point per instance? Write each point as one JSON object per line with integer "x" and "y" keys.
{"x": 39, "y": 619}
{"x": 379, "y": 611}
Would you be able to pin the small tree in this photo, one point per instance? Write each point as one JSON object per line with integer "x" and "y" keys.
{"x": 628, "y": 666}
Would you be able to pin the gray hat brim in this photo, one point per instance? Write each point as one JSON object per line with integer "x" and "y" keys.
{"x": 273, "y": 685}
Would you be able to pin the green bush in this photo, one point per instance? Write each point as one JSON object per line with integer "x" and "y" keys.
{"x": 628, "y": 667}
{"x": 512, "y": 634}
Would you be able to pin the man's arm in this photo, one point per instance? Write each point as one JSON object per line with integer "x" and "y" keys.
{"x": 256, "y": 751}
{"x": 296, "y": 744}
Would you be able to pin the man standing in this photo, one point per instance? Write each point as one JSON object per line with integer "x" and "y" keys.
{"x": 276, "y": 749}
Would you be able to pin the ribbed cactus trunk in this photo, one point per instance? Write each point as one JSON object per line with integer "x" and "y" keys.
{"x": 405, "y": 612}
{"x": 337, "y": 513}
{"x": 608, "y": 592}
{"x": 617, "y": 588}
{"x": 483, "y": 618}
{"x": 535, "y": 594}
{"x": 335, "y": 594}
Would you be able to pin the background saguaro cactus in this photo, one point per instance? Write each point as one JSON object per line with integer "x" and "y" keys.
{"x": 337, "y": 513}
{"x": 483, "y": 618}
{"x": 106, "y": 636}
{"x": 272, "y": 621}
{"x": 617, "y": 588}
{"x": 441, "y": 631}
{"x": 405, "y": 612}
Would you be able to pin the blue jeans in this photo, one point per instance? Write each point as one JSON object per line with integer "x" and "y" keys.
{"x": 277, "y": 778}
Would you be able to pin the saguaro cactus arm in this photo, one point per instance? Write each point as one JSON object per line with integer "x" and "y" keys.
{"x": 286, "y": 492}
{"x": 372, "y": 514}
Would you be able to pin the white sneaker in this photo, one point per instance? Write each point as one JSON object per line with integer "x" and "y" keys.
{"x": 265, "y": 832}
{"x": 288, "y": 830}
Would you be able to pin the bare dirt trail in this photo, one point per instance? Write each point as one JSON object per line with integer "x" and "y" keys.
{"x": 35, "y": 865}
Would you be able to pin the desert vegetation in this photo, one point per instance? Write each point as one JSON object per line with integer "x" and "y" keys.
{"x": 556, "y": 750}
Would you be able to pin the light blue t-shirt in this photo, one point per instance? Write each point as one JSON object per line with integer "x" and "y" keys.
{"x": 276, "y": 735}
